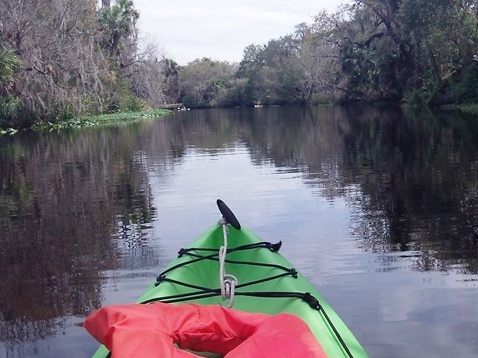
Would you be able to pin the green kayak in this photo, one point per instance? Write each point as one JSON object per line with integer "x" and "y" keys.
{"x": 229, "y": 265}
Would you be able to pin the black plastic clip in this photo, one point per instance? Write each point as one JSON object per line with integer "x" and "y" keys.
{"x": 312, "y": 301}
{"x": 182, "y": 251}
{"x": 159, "y": 279}
{"x": 275, "y": 247}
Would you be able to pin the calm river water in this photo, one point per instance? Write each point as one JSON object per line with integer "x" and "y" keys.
{"x": 378, "y": 209}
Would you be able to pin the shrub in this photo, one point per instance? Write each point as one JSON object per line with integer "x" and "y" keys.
{"x": 11, "y": 109}
{"x": 189, "y": 101}
{"x": 134, "y": 104}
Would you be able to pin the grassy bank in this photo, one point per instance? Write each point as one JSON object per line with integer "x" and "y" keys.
{"x": 465, "y": 108}
{"x": 102, "y": 119}
{"x": 87, "y": 121}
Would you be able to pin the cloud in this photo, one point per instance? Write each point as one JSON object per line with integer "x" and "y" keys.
{"x": 190, "y": 29}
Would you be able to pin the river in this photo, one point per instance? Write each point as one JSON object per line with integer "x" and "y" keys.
{"x": 377, "y": 208}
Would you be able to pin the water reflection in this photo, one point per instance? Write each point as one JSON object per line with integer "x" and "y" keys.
{"x": 64, "y": 199}
{"x": 418, "y": 188}
{"x": 77, "y": 208}
{"x": 411, "y": 183}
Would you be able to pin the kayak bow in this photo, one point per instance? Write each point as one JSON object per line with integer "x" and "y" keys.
{"x": 253, "y": 278}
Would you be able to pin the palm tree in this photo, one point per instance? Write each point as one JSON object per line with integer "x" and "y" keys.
{"x": 118, "y": 23}
{"x": 9, "y": 64}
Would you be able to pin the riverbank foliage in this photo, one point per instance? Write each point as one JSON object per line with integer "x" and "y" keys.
{"x": 64, "y": 59}
{"x": 413, "y": 52}
{"x": 102, "y": 119}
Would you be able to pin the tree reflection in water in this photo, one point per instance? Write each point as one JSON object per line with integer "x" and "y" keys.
{"x": 64, "y": 199}
{"x": 76, "y": 205}
{"x": 411, "y": 181}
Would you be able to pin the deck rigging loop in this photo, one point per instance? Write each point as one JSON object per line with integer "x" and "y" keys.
{"x": 227, "y": 282}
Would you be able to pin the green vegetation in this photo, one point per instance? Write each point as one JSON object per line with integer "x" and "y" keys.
{"x": 85, "y": 121}
{"x": 469, "y": 108}
{"x": 415, "y": 52}
{"x": 61, "y": 60}
{"x": 464, "y": 108}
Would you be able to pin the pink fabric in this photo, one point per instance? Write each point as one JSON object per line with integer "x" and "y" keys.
{"x": 153, "y": 330}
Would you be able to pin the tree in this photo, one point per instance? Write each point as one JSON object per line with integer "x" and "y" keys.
{"x": 396, "y": 49}
{"x": 171, "y": 73}
{"x": 270, "y": 71}
{"x": 317, "y": 59}
{"x": 377, "y": 58}
{"x": 9, "y": 65}
{"x": 149, "y": 81}
{"x": 203, "y": 79}
{"x": 118, "y": 23}
{"x": 62, "y": 71}
{"x": 10, "y": 107}
{"x": 297, "y": 68}
{"x": 250, "y": 68}
{"x": 76, "y": 59}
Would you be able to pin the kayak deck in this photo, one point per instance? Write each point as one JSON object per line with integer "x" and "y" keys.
{"x": 267, "y": 283}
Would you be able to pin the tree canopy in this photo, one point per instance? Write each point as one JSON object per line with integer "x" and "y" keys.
{"x": 63, "y": 58}
{"x": 419, "y": 52}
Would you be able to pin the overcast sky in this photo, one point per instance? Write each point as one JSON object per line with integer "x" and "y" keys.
{"x": 220, "y": 29}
